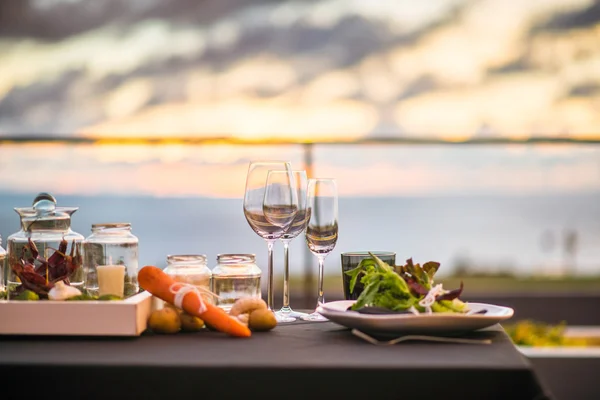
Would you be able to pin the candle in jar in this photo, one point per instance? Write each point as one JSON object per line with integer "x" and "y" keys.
{"x": 111, "y": 279}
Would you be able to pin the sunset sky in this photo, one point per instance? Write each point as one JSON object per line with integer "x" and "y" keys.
{"x": 220, "y": 171}
{"x": 302, "y": 71}
{"x": 294, "y": 69}
{"x": 326, "y": 70}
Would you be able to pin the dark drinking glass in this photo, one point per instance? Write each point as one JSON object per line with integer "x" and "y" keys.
{"x": 350, "y": 260}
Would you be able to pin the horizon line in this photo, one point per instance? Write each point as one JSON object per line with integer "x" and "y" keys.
{"x": 227, "y": 140}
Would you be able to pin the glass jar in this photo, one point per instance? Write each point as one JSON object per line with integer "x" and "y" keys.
{"x": 45, "y": 250}
{"x": 234, "y": 277}
{"x": 110, "y": 260}
{"x": 191, "y": 269}
{"x": 2, "y": 271}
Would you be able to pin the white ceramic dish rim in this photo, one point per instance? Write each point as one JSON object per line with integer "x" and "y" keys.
{"x": 503, "y": 312}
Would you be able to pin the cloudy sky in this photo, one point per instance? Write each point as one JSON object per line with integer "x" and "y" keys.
{"x": 329, "y": 69}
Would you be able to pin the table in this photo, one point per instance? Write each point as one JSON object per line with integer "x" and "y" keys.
{"x": 299, "y": 360}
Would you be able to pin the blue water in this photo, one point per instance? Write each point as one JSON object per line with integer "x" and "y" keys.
{"x": 520, "y": 234}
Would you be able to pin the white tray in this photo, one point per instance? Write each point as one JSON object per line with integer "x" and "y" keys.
{"x": 76, "y": 318}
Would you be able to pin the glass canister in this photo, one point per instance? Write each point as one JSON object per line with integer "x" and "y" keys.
{"x": 2, "y": 271}
{"x": 191, "y": 269}
{"x": 45, "y": 250}
{"x": 234, "y": 277}
{"x": 110, "y": 260}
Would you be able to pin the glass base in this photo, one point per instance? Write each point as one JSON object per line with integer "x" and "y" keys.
{"x": 282, "y": 316}
{"x": 298, "y": 314}
{"x": 286, "y": 314}
{"x": 315, "y": 316}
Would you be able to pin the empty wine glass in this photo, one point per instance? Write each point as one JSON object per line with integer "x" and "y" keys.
{"x": 297, "y": 226}
{"x": 322, "y": 228}
{"x": 254, "y": 210}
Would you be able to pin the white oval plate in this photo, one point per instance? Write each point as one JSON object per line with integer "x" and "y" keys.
{"x": 438, "y": 323}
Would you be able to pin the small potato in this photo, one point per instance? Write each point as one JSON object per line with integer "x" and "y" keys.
{"x": 262, "y": 320}
{"x": 246, "y": 305}
{"x": 243, "y": 318}
{"x": 171, "y": 306}
{"x": 165, "y": 320}
{"x": 190, "y": 323}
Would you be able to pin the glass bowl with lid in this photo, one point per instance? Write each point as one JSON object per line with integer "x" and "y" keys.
{"x": 45, "y": 250}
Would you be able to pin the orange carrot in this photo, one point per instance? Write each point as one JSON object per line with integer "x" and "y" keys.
{"x": 155, "y": 281}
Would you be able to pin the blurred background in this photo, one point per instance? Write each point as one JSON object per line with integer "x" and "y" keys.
{"x": 465, "y": 132}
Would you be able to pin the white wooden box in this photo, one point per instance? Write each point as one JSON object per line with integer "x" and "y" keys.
{"x": 76, "y": 318}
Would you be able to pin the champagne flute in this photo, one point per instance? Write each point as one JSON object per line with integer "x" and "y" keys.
{"x": 297, "y": 226}
{"x": 254, "y": 196}
{"x": 322, "y": 228}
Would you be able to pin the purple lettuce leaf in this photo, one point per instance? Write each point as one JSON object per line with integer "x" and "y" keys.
{"x": 416, "y": 287}
{"x": 451, "y": 295}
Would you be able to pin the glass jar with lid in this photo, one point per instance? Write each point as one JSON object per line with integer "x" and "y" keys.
{"x": 234, "y": 277}
{"x": 45, "y": 250}
{"x": 110, "y": 260}
{"x": 191, "y": 269}
{"x": 2, "y": 271}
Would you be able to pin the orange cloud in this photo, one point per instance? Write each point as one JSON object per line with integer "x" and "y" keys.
{"x": 246, "y": 118}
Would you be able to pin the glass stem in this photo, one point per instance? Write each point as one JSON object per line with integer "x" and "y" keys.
{"x": 270, "y": 277}
{"x": 321, "y": 298}
{"x": 286, "y": 276}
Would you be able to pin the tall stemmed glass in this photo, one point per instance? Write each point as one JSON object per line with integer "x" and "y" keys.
{"x": 322, "y": 228}
{"x": 280, "y": 207}
{"x": 254, "y": 210}
{"x": 297, "y": 226}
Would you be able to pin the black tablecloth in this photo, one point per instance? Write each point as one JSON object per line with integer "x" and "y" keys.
{"x": 302, "y": 360}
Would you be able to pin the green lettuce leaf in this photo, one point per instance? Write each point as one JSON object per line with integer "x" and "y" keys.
{"x": 400, "y": 287}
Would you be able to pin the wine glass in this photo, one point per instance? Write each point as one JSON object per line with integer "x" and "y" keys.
{"x": 322, "y": 228}
{"x": 280, "y": 207}
{"x": 254, "y": 210}
{"x": 297, "y": 226}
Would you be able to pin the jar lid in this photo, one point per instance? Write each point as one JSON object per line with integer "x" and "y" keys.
{"x": 187, "y": 258}
{"x": 111, "y": 225}
{"x": 44, "y": 214}
{"x": 236, "y": 258}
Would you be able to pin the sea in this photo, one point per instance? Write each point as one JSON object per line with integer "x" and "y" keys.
{"x": 523, "y": 235}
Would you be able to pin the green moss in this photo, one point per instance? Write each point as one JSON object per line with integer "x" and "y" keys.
{"x": 27, "y": 295}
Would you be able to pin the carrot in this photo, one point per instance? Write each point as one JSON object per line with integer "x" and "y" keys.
{"x": 155, "y": 281}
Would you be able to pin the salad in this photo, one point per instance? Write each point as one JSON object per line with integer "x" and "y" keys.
{"x": 541, "y": 334}
{"x": 403, "y": 288}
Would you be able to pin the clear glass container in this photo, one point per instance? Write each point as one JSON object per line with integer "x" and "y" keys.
{"x": 234, "y": 277}
{"x": 191, "y": 269}
{"x": 110, "y": 260}
{"x": 45, "y": 250}
{"x": 2, "y": 271}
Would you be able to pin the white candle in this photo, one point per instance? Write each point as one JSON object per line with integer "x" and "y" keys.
{"x": 111, "y": 279}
